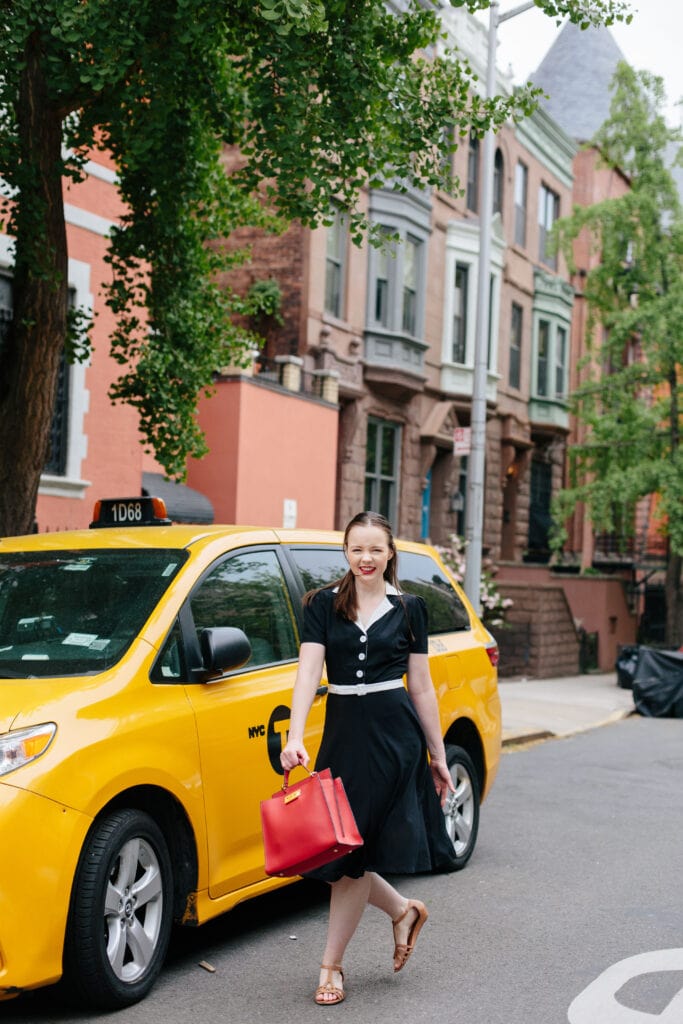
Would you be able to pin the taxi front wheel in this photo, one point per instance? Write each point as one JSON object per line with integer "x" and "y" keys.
{"x": 462, "y": 807}
{"x": 120, "y": 915}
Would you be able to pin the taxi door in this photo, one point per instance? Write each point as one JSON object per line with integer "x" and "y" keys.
{"x": 243, "y": 719}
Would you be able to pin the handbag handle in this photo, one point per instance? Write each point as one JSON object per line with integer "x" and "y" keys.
{"x": 287, "y": 771}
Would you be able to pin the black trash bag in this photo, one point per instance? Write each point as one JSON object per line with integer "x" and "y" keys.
{"x": 626, "y": 665}
{"x": 658, "y": 683}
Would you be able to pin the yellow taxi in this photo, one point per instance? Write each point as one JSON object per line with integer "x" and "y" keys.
{"x": 146, "y": 672}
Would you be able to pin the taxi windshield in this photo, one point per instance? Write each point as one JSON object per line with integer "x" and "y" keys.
{"x": 77, "y": 612}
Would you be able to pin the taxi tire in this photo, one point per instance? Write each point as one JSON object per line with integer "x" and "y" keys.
{"x": 89, "y": 976}
{"x": 462, "y": 808}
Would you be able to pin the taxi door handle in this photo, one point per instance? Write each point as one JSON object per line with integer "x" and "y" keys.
{"x": 321, "y": 691}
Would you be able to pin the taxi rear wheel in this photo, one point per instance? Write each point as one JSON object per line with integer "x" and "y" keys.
{"x": 121, "y": 911}
{"x": 462, "y": 807}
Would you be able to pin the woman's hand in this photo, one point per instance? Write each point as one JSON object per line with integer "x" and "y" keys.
{"x": 292, "y": 755}
{"x": 443, "y": 783}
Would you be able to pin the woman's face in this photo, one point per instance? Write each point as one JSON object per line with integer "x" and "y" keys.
{"x": 368, "y": 553}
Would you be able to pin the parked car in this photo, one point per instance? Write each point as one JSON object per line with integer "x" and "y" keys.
{"x": 146, "y": 671}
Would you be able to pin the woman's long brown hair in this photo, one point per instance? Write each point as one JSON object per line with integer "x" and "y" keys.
{"x": 345, "y": 601}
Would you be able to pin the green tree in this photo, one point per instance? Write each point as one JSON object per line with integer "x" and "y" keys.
{"x": 630, "y": 395}
{"x": 322, "y": 97}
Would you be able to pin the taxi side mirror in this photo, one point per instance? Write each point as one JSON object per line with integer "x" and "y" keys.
{"x": 223, "y": 649}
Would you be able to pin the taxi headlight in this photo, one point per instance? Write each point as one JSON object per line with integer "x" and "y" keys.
{"x": 25, "y": 745}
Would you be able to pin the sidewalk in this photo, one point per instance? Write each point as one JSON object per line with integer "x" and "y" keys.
{"x": 541, "y": 708}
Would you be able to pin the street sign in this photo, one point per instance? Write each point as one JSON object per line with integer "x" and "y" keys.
{"x": 462, "y": 440}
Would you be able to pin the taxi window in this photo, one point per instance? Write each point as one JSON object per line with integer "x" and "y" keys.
{"x": 319, "y": 566}
{"x": 248, "y": 590}
{"x": 77, "y": 612}
{"x": 420, "y": 574}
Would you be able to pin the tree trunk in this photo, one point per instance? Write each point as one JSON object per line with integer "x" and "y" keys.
{"x": 674, "y": 600}
{"x": 29, "y": 361}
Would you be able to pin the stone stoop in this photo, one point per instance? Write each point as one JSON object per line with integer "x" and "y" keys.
{"x": 539, "y": 639}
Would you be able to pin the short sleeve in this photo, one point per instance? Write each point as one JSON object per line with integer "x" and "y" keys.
{"x": 315, "y": 621}
{"x": 417, "y": 616}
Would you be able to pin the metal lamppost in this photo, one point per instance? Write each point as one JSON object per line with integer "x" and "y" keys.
{"x": 474, "y": 512}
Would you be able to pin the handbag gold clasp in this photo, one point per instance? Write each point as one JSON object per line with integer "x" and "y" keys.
{"x": 292, "y": 796}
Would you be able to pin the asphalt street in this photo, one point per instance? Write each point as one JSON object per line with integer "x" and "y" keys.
{"x": 577, "y": 869}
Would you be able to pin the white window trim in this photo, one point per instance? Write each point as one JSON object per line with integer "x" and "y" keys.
{"x": 71, "y": 485}
{"x": 553, "y": 303}
{"x": 463, "y": 246}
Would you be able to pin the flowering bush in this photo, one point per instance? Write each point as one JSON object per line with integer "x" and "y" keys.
{"x": 493, "y": 604}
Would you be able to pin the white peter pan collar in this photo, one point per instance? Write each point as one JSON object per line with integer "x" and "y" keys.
{"x": 382, "y": 608}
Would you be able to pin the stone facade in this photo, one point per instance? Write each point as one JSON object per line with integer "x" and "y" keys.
{"x": 540, "y": 639}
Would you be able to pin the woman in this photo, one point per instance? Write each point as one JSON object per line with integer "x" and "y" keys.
{"x": 376, "y": 738}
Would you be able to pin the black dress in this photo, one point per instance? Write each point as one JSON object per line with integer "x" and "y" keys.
{"x": 375, "y": 742}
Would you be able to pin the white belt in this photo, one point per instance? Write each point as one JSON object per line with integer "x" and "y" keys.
{"x": 360, "y": 689}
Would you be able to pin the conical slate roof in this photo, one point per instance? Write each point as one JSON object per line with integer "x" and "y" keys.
{"x": 576, "y": 73}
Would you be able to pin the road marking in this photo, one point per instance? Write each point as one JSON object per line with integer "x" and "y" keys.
{"x": 598, "y": 1001}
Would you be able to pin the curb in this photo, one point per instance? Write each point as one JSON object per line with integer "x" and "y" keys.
{"x": 513, "y": 739}
{"x": 528, "y": 737}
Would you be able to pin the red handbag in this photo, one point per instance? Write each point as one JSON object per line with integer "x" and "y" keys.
{"x": 307, "y": 825}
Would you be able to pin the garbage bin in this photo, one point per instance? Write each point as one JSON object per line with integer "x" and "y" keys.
{"x": 658, "y": 683}
{"x": 626, "y": 664}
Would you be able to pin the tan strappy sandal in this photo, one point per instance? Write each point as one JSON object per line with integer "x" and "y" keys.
{"x": 402, "y": 950}
{"x": 328, "y": 988}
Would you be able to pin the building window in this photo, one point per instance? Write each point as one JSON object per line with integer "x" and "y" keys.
{"x": 382, "y": 260}
{"x": 461, "y": 497}
{"x": 538, "y": 546}
{"x": 521, "y": 189}
{"x": 560, "y": 362}
{"x": 335, "y": 264}
{"x": 548, "y": 213}
{"x": 460, "y": 291}
{"x": 381, "y": 467}
{"x": 473, "y": 174}
{"x": 59, "y": 429}
{"x": 498, "y": 182}
{"x": 515, "y": 366}
{"x": 411, "y": 250}
{"x": 542, "y": 350}
{"x": 397, "y": 283}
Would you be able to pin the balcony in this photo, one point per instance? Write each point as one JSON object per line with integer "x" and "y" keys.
{"x": 618, "y": 549}
{"x": 394, "y": 363}
{"x": 549, "y": 412}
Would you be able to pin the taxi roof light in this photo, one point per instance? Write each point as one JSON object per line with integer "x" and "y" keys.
{"x": 139, "y": 511}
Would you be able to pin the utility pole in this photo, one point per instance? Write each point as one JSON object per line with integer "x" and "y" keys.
{"x": 474, "y": 512}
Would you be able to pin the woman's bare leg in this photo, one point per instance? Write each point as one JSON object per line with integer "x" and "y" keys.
{"x": 348, "y": 899}
{"x": 386, "y": 898}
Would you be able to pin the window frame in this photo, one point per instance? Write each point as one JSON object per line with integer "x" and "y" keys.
{"x": 374, "y": 480}
{"x": 473, "y": 176}
{"x": 515, "y": 347}
{"x": 463, "y": 247}
{"x": 70, "y": 483}
{"x": 460, "y": 319}
{"x": 521, "y": 203}
{"x": 548, "y": 214}
{"x": 498, "y": 181}
{"x": 336, "y": 259}
{"x": 394, "y": 307}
